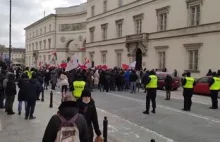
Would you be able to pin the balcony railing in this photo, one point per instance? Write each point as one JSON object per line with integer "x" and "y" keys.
{"x": 136, "y": 37}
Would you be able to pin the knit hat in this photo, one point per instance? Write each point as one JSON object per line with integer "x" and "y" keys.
{"x": 86, "y": 93}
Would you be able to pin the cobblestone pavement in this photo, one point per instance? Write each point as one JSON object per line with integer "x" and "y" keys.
{"x": 126, "y": 121}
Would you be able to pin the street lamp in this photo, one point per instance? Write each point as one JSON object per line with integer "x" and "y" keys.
{"x": 10, "y": 34}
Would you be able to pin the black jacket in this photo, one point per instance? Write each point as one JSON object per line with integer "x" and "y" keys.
{"x": 23, "y": 92}
{"x": 90, "y": 114}
{"x": 34, "y": 89}
{"x": 168, "y": 82}
{"x": 68, "y": 110}
{"x": 11, "y": 87}
{"x": 133, "y": 77}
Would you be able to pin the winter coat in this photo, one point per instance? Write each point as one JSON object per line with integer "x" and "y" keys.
{"x": 133, "y": 77}
{"x": 11, "y": 86}
{"x": 53, "y": 77}
{"x": 23, "y": 92}
{"x": 34, "y": 88}
{"x": 168, "y": 82}
{"x": 90, "y": 114}
{"x": 68, "y": 110}
{"x": 63, "y": 80}
{"x": 127, "y": 75}
{"x": 6, "y": 79}
{"x": 47, "y": 76}
{"x": 96, "y": 78}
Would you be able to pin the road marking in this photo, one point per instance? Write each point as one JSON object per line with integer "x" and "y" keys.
{"x": 0, "y": 125}
{"x": 168, "y": 108}
{"x": 140, "y": 127}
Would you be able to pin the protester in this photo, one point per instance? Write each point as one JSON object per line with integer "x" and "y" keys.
{"x": 23, "y": 93}
{"x": 96, "y": 79}
{"x": 168, "y": 86}
{"x": 67, "y": 110}
{"x": 53, "y": 79}
{"x": 87, "y": 108}
{"x": 46, "y": 79}
{"x": 34, "y": 89}
{"x": 10, "y": 92}
{"x": 2, "y": 93}
{"x": 63, "y": 83}
{"x": 132, "y": 79}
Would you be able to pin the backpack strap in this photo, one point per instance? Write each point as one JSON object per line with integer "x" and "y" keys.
{"x": 62, "y": 119}
{"x": 72, "y": 120}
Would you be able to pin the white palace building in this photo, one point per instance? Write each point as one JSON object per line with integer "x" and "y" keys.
{"x": 63, "y": 32}
{"x": 172, "y": 34}
{"x": 157, "y": 34}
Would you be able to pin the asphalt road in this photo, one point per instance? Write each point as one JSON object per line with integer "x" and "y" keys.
{"x": 170, "y": 123}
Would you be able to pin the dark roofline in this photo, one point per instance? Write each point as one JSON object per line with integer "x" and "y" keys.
{"x": 39, "y": 21}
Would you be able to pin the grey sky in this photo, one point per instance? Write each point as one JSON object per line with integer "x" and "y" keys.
{"x": 25, "y": 12}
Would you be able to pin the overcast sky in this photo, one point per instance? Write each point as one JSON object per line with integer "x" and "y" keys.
{"x": 25, "y": 12}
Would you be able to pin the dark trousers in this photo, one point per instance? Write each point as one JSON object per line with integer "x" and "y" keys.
{"x": 2, "y": 97}
{"x": 214, "y": 97}
{"x": 151, "y": 96}
{"x": 9, "y": 103}
{"x": 30, "y": 108}
{"x": 187, "y": 94}
{"x": 53, "y": 86}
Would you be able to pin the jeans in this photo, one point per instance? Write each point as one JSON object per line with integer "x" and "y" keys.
{"x": 20, "y": 105}
{"x": 133, "y": 87}
{"x": 30, "y": 108}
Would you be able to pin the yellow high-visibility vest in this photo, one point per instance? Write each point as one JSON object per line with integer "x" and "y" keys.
{"x": 153, "y": 82}
{"x": 216, "y": 85}
{"x": 78, "y": 88}
{"x": 189, "y": 82}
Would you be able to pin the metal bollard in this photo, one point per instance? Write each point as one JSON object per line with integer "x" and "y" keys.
{"x": 42, "y": 97}
{"x": 152, "y": 140}
{"x": 105, "y": 129}
{"x": 51, "y": 99}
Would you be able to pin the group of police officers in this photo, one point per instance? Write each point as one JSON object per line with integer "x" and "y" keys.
{"x": 188, "y": 84}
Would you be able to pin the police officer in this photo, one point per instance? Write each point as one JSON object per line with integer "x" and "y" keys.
{"x": 151, "y": 85}
{"x": 78, "y": 87}
{"x": 188, "y": 85}
{"x": 28, "y": 72}
{"x": 214, "y": 85}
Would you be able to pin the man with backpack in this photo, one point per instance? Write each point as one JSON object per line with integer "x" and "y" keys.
{"x": 67, "y": 124}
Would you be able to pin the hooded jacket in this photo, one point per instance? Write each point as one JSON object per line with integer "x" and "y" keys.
{"x": 23, "y": 92}
{"x": 6, "y": 80}
{"x": 11, "y": 86}
{"x": 68, "y": 110}
{"x": 90, "y": 114}
{"x": 33, "y": 89}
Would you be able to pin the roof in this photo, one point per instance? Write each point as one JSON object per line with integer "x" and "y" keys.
{"x": 40, "y": 21}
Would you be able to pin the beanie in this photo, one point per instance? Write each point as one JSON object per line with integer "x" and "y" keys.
{"x": 86, "y": 93}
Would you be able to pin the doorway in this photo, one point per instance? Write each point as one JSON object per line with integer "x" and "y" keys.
{"x": 138, "y": 59}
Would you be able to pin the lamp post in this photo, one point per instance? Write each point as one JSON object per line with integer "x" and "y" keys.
{"x": 10, "y": 35}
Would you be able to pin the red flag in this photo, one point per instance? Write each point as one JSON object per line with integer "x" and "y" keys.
{"x": 125, "y": 66}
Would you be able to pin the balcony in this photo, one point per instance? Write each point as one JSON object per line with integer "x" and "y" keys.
{"x": 136, "y": 37}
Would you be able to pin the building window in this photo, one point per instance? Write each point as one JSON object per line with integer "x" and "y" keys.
{"x": 162, "y": 14}
{"x": 36, "y": 46}
{"x": 45, "y": 30}
{"x": 91, "y": 56}
{"x": 120, "y": 3}
{"x": 40, "y": 31}
{"x": 30, "y": 35}
{"x": 195, "y": 15}
{"x": 193, "y": 59}
{"x": 138, "y": 23}
{"x": 103, "y": 57}
{"x": 119, "y": 24}
{"x": 50, "y": 28}
{"x": 92, "y": 30}
{"x": 44, "y": 58}
{"x": 105, "y": 5}
{"x": 93, "y": 10}
{"x": 37, "y": 33}
{"x": 33, "y": 34}
{"x": 49, "y": 43}
{"x": 118, "y": 56}
{"x": 32, "y": 46}
{"x": 162, "y": 60}
{"x": 49, "y": 58}
{"x": 40, "y": 44}
{"x": 193, "y": 55}
{"x": 104, "y": 31}
{"x": 194, "y": 11}
{"x": 44, "y": 44}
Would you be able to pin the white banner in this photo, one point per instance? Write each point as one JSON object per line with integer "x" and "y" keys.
{"x": 132, "y": 65}
{"x": 73, "y": 63}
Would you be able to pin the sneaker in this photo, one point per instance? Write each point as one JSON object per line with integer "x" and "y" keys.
{"x": 184, "y": 109}
{"x": 32, "y": 117}
{"x": 153, "y": 111}
{"x": 145, "y": 112}
{"x": 26, "y": 118}
{"x": 19, "y": 113}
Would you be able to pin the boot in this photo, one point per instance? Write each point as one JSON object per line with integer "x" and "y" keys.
{"x": 153, "y": 111}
